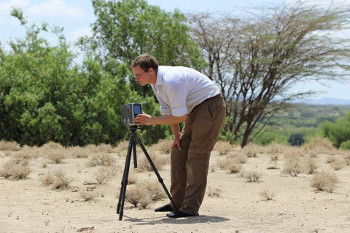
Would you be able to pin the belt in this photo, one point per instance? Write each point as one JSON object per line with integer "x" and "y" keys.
{"x": 211, "y": 98}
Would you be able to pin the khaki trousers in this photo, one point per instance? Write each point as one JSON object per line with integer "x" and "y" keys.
{"x": 189, "y": 166}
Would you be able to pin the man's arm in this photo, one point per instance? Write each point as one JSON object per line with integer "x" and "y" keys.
{"x": 145, "y": 119}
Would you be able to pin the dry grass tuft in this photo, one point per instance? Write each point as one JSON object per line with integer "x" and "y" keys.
{"x": 57, "y": 180}
{"x": 252, "y": 176}
{"x": 234, "y": 167}
{"x": 251, "y": 150}
{"x": 213, "y": 192}
{"x": 104, "y": 174}
{"x": 241, "y": 158}
{"x": 134, "y": 195}
{"x": 87, "y": 194}
{"x": 52, "y": 145}
{"x": 324, "y": 181}
{"x": 107, "y": 148}
{"x": 336, "y": 163}
{"x": 144, "y": 193}
{"x": 268, "y": 195}
{"x": 163, "y": 146}
{"x": 15, "y": 169}
{"x": 122, "y": 147}
{"x": 158, "y": 160}
{"x": 9, "y": 146}
{"x": 293, "y": 166}
{"x": 101, "y": 159}
{"x": 319, "y": 145}
{"x": 347, "y": 160}
{"x": 154, "y": 190}
{"x": 79, "y": 152}
{"x": 53, "y": 151}
{"x": 309, "y": 165}
{"x": 273, "y": 158}
{"x": 224, "y": 147}
{"x": 292, "y": 151}
{"x": 230, "y": 164}
{"x": 275, "y": 148}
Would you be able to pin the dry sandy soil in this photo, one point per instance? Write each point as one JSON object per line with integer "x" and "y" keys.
{"x": 235, "y": 205}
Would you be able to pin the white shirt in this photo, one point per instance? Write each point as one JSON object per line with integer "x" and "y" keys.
{"x": 179, "y": 89}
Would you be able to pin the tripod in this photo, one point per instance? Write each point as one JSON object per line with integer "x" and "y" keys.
{"x": 132, "y": 148}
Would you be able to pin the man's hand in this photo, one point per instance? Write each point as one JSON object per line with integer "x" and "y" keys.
{"x": 176, "y": 142}
{"x": 143, "y": 119}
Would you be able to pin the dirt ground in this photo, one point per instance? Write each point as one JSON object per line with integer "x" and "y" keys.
{"x": 235, "y": 205}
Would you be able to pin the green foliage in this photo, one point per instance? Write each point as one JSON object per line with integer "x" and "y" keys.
{"x": 296, "y": 139}
{"x": 127, "y": 28}
{"x": 345, "y": 145}
{"x": 44, "y": 97}
{"x": 339, "y": 131}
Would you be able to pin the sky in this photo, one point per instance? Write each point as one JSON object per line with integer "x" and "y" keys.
{"x": 76, "y": 16}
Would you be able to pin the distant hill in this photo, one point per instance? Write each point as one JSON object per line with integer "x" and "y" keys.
{"x": 325, "y": 101}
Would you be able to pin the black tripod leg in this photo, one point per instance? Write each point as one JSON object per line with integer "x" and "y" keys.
{"x": 134, "y": 151}
{"x": 125, "y": 180}
{"x": 157, "y": 173}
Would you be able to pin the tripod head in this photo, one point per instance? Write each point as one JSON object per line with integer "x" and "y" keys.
{"x": 133, "y": 128}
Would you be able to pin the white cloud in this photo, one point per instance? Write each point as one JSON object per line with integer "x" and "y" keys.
{"x": 55, "y": 8}
{"x": 5, "y": 7}
{"x": 80, "y": 32}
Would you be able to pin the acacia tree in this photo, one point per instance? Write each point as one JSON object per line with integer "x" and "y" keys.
{"x": 256, "y": 61}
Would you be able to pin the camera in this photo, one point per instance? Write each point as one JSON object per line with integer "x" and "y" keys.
{"x": 130, "y": 111}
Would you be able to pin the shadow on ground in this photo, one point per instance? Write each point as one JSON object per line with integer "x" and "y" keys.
{"x": 189, "y": 220}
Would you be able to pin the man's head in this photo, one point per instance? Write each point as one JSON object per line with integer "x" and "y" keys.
{"x": 145, "y": 68}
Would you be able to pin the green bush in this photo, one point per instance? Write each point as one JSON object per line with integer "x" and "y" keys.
{"x": 339, "y": 131}
{"x": 296, "y": 139}
{"x": 345, "y": 145}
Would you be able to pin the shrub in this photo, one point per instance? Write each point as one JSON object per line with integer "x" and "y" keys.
{"x": 104, "y": 174}
{"x": 337, "y": 163}
{"x": 223, "y": 147}
{"x": 79, "y": 152}
{"x": 293, "y": 166}
{"x": 319, "y": 145}
{"x": 345, "y": 145}
{"x": 163, "y": 146}
{"x": 10, "y": 146}
{"x": 14, "y": 169}
{"x": 275, "y": 148}
{"x": 309, "y": 165}
{"x": 57, "y": 179}
{"x": 144, "y": 193}
{"x": 101, "y": 159}
{"x": 234, "y": 167}
{"x": 267, "y": 194}
{"x": 252, "y": 176}
{"x": 158, "y": 160}
{"x": 296, "y": 139}
{"x": 213, "y": 192}
{"x": 86, "y": 194}
{"x": 324, "y": 181}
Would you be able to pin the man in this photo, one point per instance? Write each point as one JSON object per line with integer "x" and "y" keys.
{"x": 185, "y": 95}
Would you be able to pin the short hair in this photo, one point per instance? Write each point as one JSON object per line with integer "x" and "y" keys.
{"x": 145, "y": 61}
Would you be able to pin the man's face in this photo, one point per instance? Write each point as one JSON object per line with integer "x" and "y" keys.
{"x": 141, "y": 76}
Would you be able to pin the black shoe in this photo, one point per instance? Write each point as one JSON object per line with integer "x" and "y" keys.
{"x": 180, "y": 214}
{"x": 164, "y": 208}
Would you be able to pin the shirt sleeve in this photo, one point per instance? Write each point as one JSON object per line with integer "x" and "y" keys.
{"x": 177, "y": 98}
